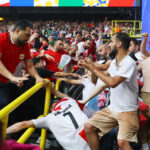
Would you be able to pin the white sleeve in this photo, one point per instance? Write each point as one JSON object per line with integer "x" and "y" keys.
{"x": 126, "y": 70}
{"x": 84, "y": 81}
{"x": 80, "y": 48}
{"x": 42, "y": 122}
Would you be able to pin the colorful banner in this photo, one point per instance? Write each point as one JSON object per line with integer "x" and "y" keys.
{"x": 146, "y": 20}
{"x": 95, "y": 3}
{"x": 69, "y": 3}
{"x": 64, "y": 3}
{"x": 121, "y": 3}
{"x": 22, "y": 3}
{"x": 46, "y": 3}
{"x": 4, "y": 3}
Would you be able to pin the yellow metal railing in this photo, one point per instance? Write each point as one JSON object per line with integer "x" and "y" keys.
{"x": 57, "y": 85}
{"x": 135, "y": 29}
{"x": 4, "y": 113}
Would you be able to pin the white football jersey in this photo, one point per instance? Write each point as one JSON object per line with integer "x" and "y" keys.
{"x": 66, "y": 121}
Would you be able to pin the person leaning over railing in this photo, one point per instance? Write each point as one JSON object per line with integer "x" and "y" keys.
{"x": 14, "y": 49}
{"x": 37, "y": 100}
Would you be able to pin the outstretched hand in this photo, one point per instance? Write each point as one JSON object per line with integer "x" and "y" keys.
{"x": 87, "y": 63}
{"x": 18, "y": 80}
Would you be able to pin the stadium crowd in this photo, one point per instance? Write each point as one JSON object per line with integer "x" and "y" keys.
{"x": 114, "y": 74}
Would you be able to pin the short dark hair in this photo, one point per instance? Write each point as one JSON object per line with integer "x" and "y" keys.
{"x": 135, "y": 41}
{"x": 124, "y": 38}
{"x": 95, "y": 35}
{"x": 22, "y": 24}
{"x": 36, "y": 60}
{"x": 43, "y": 37}
{"x": 88, "y": 38}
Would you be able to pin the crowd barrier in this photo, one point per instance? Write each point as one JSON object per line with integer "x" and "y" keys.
{"x": 134, "y": 31}
{"x": 4, "y": 113}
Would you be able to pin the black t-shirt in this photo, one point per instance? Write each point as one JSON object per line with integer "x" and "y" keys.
{"x": 33, "y": 107}
{"x": 132, "y": 55}
{"x": 44, "y": 73}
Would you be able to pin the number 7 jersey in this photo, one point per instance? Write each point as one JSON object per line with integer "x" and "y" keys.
{"x": 66, "y": 121}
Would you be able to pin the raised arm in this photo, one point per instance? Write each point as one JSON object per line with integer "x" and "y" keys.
{"x": 143, "y": 45}
{"x": 19, "y": 126}
{"x": 104, "y": 76}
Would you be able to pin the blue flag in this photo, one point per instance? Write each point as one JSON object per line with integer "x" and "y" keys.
{"x": 146, "y": 19}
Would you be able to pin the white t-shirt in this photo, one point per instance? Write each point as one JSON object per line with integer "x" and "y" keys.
{"x": 67, "y": 124}
{"x": 99, "y": 81}
{"x": 139, "y": 55}
{"x": 81, "y": 48}
{"x": 88, "y": 87}
{"x": 124, "y": 96}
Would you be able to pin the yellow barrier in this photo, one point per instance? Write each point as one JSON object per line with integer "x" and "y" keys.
{"x": 4, "y": 113}
{"x": 27, "y": 134}
{"x": 134, "y": 30}
{"x": 57, "y": 85}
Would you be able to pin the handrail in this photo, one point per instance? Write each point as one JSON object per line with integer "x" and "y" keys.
{"x": 134, "y": 31}
{"x": 57, "y": 85}
{"x": 4, "y": 113}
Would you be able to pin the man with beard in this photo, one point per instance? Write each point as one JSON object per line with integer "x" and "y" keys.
{"x": 122, "y": 111}
{"x": 56, "y": 53}
{"x": 86, "y": 48}
{"x": 14, "y": 49}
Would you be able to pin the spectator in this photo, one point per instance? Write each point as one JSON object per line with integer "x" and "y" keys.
{"x": 134, "y": 48}
{"x": 56, "y": 53}
{"x": 13, "y": 49}
{"x": 143, "y": 45}
{"x": 44, "y": 41}
{"x": 145, "y": 94}
{"x": 121, "y": 75}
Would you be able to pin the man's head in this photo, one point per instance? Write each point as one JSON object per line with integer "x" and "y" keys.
{"x": 102, "y": 52}
{"x": 119, "y": 41}
{"x": 61, "y": 35}
{"x": 21, "y": 32}
{"x": 50, "y": 38}
{"x": 43, "y": 39}
{"x": 78, "y": 37}
{"x": 38, "y": 63}
{"x": 58, "y": 45}
{"x": 134, "y": 45}
{"x": 73, "y": 50}
{"x": 94, "y": 37}
{"x": 88, "y": 42}
{"x": 67, "y": 47}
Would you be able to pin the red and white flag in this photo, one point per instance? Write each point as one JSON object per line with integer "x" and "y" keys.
{"x": 4, "y": 2}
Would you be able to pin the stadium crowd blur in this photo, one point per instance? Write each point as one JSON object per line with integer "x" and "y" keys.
{"x": 50, "y": 40}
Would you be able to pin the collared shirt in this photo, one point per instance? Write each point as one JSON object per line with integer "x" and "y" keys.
{"x": 124, "y": 96}
{"x": 11, "y": 55}
{"x": 11, "y": 38}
